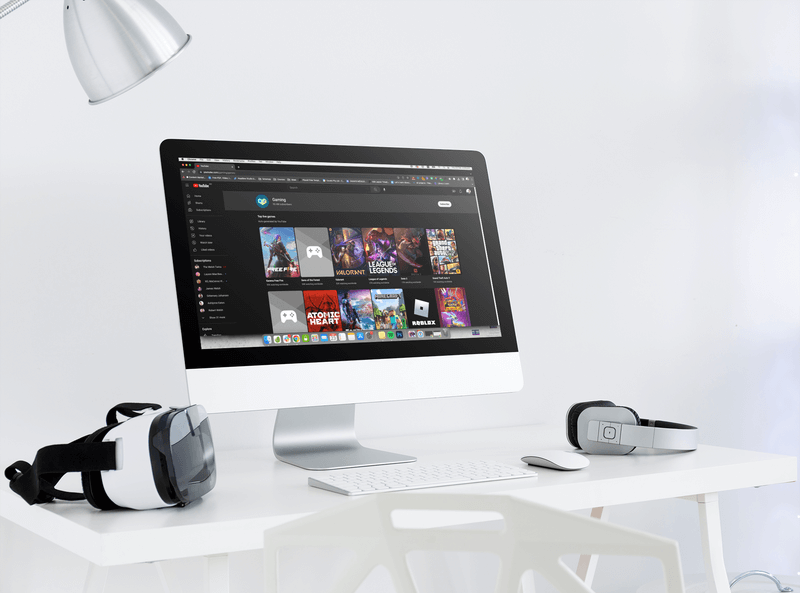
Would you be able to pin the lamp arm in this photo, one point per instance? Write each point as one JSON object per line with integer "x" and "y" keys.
{"x": 10, "y": 7}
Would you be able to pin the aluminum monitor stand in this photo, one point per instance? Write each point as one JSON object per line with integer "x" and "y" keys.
{"x": 324, "y": 438}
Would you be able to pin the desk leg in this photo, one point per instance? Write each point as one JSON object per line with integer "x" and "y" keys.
{"x": 162, "y": 580}
{"x": 217, "y": 574}
{"x": 711, "y": 537}
{"x": 95, "y": 579}
{"x": 587, "y": 564}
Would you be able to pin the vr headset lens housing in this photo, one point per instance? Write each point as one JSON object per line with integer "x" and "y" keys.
{"x": 185, "y": 454}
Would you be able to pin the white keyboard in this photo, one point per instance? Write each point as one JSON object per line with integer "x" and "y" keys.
{"x": 410, "y": 476}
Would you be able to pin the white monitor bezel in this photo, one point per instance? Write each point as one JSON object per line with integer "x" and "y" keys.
{"x": 248, "y": 388}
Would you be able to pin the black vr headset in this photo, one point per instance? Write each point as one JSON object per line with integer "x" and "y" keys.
{"x": 154, "y": 459}
{"x": 601, "y": 427}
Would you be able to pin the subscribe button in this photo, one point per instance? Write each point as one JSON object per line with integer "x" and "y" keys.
{"x": 445, "y": 204}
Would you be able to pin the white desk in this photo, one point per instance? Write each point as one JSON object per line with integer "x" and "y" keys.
{"x": 254, "y": 492}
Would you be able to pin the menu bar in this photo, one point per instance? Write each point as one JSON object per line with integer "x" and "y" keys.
{"x": 202, "y": 174}
{"x": 321, "y": 164}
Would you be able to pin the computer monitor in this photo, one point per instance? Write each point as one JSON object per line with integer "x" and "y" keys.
{"x": 291, "y": 297}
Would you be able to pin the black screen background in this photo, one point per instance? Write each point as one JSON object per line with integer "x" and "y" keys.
{"x": 246, "y": 270}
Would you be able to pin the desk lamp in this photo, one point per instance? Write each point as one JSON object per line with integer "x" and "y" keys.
{"x": 116, "y": 44}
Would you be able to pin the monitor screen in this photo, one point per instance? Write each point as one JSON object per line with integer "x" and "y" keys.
{"x": 316, "y": 275}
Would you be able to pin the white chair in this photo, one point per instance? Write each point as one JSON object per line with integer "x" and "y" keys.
{"x": 533, "y": 536}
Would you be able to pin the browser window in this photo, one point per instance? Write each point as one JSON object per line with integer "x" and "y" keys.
{"x": 301, "y": 253}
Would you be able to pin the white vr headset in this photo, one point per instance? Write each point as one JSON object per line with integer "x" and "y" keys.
{"x": 600, "y": 427}
{"x": 155, "y": 459}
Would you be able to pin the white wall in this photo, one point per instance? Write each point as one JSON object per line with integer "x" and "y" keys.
{"x": 653, "y": 250}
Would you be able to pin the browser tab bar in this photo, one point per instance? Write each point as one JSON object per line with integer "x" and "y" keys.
{"x": 321, "y": 164}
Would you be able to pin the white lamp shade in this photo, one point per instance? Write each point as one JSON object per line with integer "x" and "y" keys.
{"x": 116, "y": 44}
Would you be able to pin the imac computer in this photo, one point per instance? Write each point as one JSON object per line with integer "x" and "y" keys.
{"x": 312, "y": 278}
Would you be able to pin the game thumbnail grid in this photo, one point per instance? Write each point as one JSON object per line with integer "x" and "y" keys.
{"x": 386, "y": 313}
{"x": 295, "y": 252}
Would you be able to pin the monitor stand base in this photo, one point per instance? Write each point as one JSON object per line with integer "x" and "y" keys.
{"x": 324, "y": 438}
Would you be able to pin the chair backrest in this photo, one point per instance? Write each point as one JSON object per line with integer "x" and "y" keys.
{"x": 533, "y": 536}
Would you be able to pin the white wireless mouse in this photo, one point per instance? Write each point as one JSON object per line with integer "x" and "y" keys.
{"x": 553, "y": 459}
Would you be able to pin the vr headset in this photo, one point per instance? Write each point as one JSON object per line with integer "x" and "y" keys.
{"x": 154, "y": 459}
{"x": 600, "y": 427}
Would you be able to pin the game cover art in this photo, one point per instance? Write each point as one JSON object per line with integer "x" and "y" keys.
{"x": 280, "y": 252}
{"x": 389, "y": 308}
{"x": 444, "y": 254}
{"x": 322, "y": 310}
{"x": 453, "y": 309}
{"x": 379, "y": 248}
{"x": 347, "y": 249}
{"x": 413, "y": 254}
{"x": 287, "y": 311}
{"x": 421, "y": 308}
{"x": 356, "y": 309}
{"x": 314, "y": 252}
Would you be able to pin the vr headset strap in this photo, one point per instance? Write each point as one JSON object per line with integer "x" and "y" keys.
{"x": 36, "y": 483}
{"x": 129, "y": 410}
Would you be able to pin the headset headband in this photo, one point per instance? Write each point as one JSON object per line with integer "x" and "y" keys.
{"x": 653, "y": 434}
{"x": 36, "y": 483}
